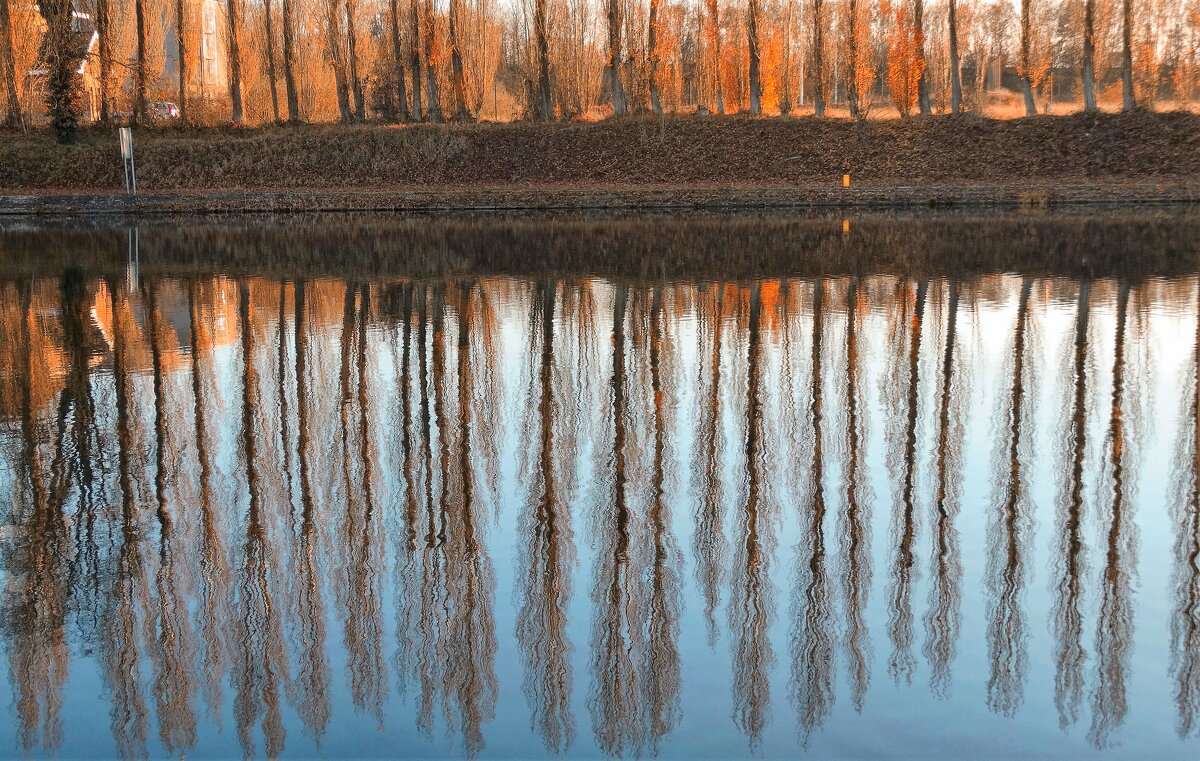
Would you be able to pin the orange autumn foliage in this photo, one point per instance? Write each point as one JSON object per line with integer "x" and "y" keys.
{"x": 904, "y": 65}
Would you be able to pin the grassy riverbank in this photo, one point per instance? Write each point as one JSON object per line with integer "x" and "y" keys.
{"x": 725, "y": 153}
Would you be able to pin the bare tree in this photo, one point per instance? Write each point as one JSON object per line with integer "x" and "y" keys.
{"x": 923, "y": 82}
{"x": 104, "y": 45}
{"x": 1089, "y": 55}
{"x": 352, "y": 54}
{"x": 818, "y": 69}
{"x": 139, "y": 73}
{"x": 1128, "y": 100}
{"x": 415, "y": 60}
{"x": 269, "y": 31}
{"x": 955, "y": 66}
{"x": 398, "y": 62}
{"x": 652, "y": 61}
{"x": 543, "y": 105}
{"x": 8, "y": 68}
{"x": 1026, "y": 58}
{"x": 458, "y": 77}
{"x": 181, "y": 26}
{"x": 337, "y": 59}
{"x": 712, "y": 21}
{"x": 60, "y": 65}
{"x": 235, "y": 63}
{"x": 755, "y": 62}
{"x": 289, "y": 64}
{"x": 431, "y": 85}
{"x": 852, "y": 55}
{"x": 612, "y": 71}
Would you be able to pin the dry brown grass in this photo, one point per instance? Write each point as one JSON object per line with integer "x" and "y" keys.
{"x": 639, "y": 151}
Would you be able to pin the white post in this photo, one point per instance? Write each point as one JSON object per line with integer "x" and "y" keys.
{"x": 125, "y": 138}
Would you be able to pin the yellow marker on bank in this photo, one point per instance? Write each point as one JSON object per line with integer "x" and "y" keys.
{"x": 845, "y": 180}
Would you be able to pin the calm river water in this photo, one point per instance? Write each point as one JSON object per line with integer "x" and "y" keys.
{"x": 708, "y": 486}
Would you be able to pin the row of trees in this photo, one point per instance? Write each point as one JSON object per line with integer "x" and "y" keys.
{"x": 402, "y": 60}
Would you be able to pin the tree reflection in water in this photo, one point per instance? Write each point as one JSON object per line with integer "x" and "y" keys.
{"x": 237, "y": 495}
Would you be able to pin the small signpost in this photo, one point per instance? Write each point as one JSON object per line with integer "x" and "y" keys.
{"x": 125, "y": 138}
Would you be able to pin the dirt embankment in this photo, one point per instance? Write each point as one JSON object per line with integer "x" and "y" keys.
{"x": 675, "y": 152}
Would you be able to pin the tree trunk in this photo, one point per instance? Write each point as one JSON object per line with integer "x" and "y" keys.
{"x": 955, "y": 66}
{"x": 1026, "y": 80}
{"x": 431, "y": 88}
{"x": 181, "y": 52}
{"x": 289, "y": 64}
{"x": 336, "y": 60}
{"x": 8, "y": 68}
{"x": 140, "y": 108}
{"x": 652, "y": 57}
{"x": 852, "y": 62}
{"x": 60, "y": 77}
{"x": 713, "y": 20}
{"x": 1129, "y": 100}
{"x": 755, "y": 62}
{"x": 104, "y": 43}
{"x": 543, "y": 105}
{"x": 923, "y": 82}
{"x": 352, "y": 50}
{"x": 415, "y": 60}
{"x": 613, "y": 69}
{"x": 818, "y": 72}
{"x": 457, "y": 75}
{"x": 235, "y": 64}
{"x": 268, "y": 29}
{"x": 1089, "y": 56}
{"x": 398, "y": 63}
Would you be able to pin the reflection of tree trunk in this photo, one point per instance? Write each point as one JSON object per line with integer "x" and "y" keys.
{"x": 710, "y": 520}
{"x": 122, "y": 656}
{"x": 942, "y": 622}
{"x": 1114, "y": 625}
{"x": 1185, "y": 621}
{"x": 1006, "y": 620}
{"x": 172, "y": 653}
{"x": 212, "y": 606}
{"x": 812, "y": 637}
{"x": 749, "y": 608}
{"x": 900, "y": 614}
{"x": 856, "y": 550}
{"x": 1067, "y": 617}
{"x": 614, "y": 702}
{"x": 541, "y": 623}
{"x": 662, "y": 653}
{"x": 257, "y": 672}
{"x": 313, "y": 671}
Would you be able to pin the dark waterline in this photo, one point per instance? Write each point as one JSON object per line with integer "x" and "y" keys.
{"x": 713, "y": 485}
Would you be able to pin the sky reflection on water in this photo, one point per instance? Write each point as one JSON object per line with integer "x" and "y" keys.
{"x": 857, "y": 513}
